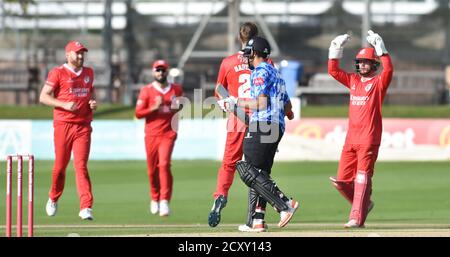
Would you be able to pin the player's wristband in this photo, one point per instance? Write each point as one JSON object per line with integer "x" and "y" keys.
{"x": 290, "y": 115}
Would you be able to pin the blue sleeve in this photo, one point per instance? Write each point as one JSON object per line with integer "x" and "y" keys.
{"x": 286, "y": 98}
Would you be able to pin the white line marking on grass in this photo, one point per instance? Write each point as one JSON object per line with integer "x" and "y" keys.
{"x": 369, "y": 226}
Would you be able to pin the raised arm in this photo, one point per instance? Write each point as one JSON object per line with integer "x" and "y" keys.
{"x": 388, "y": 70}
{"x": 335, "y": 53}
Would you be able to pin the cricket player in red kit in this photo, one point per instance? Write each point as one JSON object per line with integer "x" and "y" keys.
{"x": 234, "y": 75}
{"x": 69, "y": 88}
{"x": 360, "y": 151}
{"x": 158, "y": 103}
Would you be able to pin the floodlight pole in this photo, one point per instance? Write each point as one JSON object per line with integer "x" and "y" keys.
{"x": 108, "y": 47}
{"x": 233, "y": 24}
{"x": 366, "y": 22}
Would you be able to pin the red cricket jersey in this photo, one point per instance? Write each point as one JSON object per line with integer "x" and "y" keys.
{"x": 71, "y": 86}
{"x": 158, "y": 122}
{"x": 366, "y": 99}
{"x": 234, "y": 75}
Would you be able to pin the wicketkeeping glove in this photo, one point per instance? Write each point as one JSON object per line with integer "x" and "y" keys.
{"x": 377, "y": 42}
{"x": 337, "y": 46}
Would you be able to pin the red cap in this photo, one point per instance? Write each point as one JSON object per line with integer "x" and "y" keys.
{"x": 75, "y": 46}
{"x": 160, "y": 63}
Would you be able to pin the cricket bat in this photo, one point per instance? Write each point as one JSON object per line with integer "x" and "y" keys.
{"x": 238, "y": 111}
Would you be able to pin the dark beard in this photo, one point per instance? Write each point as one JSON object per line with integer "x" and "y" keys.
{"x": 367, "y": 74}
{"x": 161, "y": 80}
{"x": 77, "y": 64}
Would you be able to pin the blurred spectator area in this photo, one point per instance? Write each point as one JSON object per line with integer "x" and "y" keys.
{"x": 407, "y": 87}
{"x": 416, "y": 33}
{"x": 19, "y": 84}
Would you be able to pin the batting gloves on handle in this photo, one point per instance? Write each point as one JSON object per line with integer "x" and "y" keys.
{"x": 377, "y": 42}
{"x": 227, "y": 104}
{"x": 337, "y": 46}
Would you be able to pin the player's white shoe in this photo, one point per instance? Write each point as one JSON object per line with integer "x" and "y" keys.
{"x": 164, "y": 208}
{"x": 154, "y": 207}
{"x": 261, "y": 227}
{"x": 86, "y": 214}
{"x": 286, "y": 216}
{"x": 352, "y": 224}
{"x": 51, "y": 207}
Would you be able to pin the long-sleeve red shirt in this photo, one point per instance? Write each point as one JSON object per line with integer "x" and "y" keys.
{"x": 366, "y": 99}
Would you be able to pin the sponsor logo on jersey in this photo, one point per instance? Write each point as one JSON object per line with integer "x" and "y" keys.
{"x": 79, "y": 91}
{"x": 358, "y": 100}
{"x": 258, "y": 81}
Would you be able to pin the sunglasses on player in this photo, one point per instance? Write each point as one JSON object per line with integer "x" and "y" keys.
{"x": 160, "y": 70}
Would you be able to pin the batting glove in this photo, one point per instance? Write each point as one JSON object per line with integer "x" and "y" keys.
{"x": 377, "y": 42}
{"x": 230, "y": 103}
{"x": 337, "y": 46}
{"x": 227, "y": 104}
{"x": 221, "y": 104}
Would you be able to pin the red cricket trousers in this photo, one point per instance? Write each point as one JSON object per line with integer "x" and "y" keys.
{"x": 70, "y": 137}
{"x": 232, "y": 154}
{"x": 159, "y": 153}
{"x": 356, "y": 168}
{"x": 354, "y": 158}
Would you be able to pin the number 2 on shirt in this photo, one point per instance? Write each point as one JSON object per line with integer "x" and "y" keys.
{"x": 244, "y": 88}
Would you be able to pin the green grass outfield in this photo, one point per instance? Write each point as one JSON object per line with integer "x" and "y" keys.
{"x": 405, "y": 194}
{"x": 114, "y": 111}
